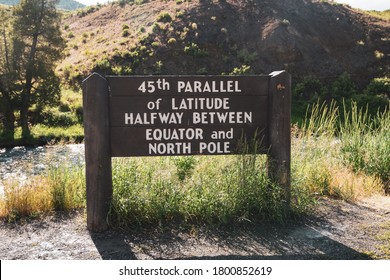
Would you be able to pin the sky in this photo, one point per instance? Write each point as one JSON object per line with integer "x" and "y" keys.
{"x": 379, "y": 5}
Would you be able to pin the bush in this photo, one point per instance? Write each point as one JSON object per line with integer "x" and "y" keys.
{"x": 103, "y": 64}
{"x": 156, "y": 27}
{"x": 310, "y": 89}
{"x": 56, "y": 118}
{"x": 125, "y": 33}
{"x": 244, "y": 69}
{"x": 171, "y": 41}
{"x": 246, "y": 57}
{"x": 194, "y": 50}
{"x": 343, "y": 87}
{"x": 378, "y": 86}
{"x": 373, "y": 104}
{"x": 184, "y": 166}
{"x": 164, "y": 17}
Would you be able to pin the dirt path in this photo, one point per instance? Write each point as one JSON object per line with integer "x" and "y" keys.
{"x": 337, "y": 230}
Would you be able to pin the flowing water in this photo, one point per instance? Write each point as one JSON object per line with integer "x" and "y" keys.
{"x": 19, "y": 163}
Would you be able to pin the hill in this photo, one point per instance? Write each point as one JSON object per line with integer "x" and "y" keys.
{"x": 307, "y": 38}
{"x": 63, "y": 4}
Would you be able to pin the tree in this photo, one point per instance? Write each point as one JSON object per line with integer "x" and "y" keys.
{"x": 37, "y": 46}
{"x": 7, "y": 74}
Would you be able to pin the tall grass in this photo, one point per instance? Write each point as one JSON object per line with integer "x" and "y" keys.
{"x": 220, "y": 189}
{"x": 366, "y": 143}
{"x": 343, "y": 157}
{"x": 62, "y": 188}
{"x": 320, "y": 120}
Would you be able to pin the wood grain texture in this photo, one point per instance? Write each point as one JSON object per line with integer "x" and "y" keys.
{"x": 97, "y": 151}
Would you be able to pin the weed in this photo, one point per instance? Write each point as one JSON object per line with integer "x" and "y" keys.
{"x": 184, "y": 166}
{"x": 158, "y": 66}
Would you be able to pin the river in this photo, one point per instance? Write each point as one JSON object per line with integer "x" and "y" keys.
{"x": 19, "y": 163}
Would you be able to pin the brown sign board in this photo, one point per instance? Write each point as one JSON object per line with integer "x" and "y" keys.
{"x": 187, "y": 115}
{"x": 182, "y": 115}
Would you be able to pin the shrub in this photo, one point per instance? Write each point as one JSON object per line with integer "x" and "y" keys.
{"x": 158, "y": 66}
{"x": 85, "y": 11}
{"x": 343, "y": 87}
{"x": 156, "y": 44}
{"x": 310, "y": 89}
{"x": 125, "y": 33}
{"x": 171, "y": 41}
{"x": 378, "y": 86}
{"x": 373, "y": 104}
{"x": 285, "y": 22}
{"x": 156, "y": 27}
{"x": 103, "y": 64}
{"x": 122, "y": 3}
{"x": 164, "y": 17}
{"x": 246, "y": 57}
{"x": 194, "y": 50}
{"x": 244, "y": 69}
{"x": 184, "y": 166}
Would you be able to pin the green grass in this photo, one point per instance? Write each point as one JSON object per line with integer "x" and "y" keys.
{"x": 216, "y": 189}
{"x": 366, "y": 143}
{"x": 345, "y": 158}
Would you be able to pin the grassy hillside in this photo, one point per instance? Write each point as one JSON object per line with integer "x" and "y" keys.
{"x": 381, "y": 14}
{"x": 214, "y": 37}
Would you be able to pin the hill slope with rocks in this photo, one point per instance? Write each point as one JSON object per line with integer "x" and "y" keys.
{"x": 307, "y": 38}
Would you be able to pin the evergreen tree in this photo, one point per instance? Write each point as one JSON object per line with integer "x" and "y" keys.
{"x": 7, "y": 76}
{"x": 37, "y": 46}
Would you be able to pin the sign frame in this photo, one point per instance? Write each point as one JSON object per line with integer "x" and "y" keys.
{"x": 100, "y": 119}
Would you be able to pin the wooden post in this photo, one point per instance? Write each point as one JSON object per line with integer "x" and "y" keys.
{"x": 97, "y": 151}
{"x": 279, "y": 119}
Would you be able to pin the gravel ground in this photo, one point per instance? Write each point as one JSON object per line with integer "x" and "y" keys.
{"x": 336, "y": 230}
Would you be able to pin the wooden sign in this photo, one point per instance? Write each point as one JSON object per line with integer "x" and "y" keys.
{"x": 182, "y": 115}
{"x": 168, "y": 116}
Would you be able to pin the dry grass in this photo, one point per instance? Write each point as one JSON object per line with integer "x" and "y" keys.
{"x": 353, "y": 186}
{"x": 31, "y": 197}
{"x": 61, "y": 189}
